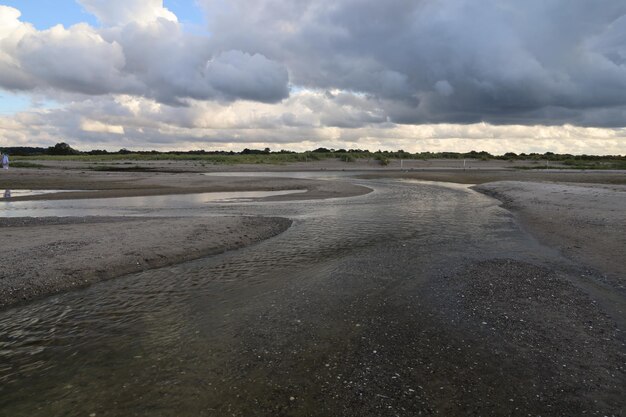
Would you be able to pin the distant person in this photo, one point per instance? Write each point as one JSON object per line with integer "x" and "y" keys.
{"x": 5, "y": 161}
{"x": 7, "y": 193}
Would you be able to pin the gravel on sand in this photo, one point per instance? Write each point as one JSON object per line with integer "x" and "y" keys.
{"x": 585, "y": 222}
{"x": 44, "y": 256}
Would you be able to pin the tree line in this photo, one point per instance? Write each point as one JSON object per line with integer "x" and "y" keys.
{"x": 63, "y": 148}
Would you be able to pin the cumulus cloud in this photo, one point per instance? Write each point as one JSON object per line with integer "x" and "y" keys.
{"x": 142, "y": 51}
{"x": 300, "y": 122}
{"x": 252, "y": 77}
{"x": 452, "y": 61}
{"x": 121, "y": 12}
{"x": 455, "y": 61}
{"x": 307, "y": 72}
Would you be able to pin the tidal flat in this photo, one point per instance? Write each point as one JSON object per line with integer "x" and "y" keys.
{"x": 370, "y": 294}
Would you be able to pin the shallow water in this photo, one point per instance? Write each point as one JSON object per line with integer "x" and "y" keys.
{"x": 12, "y": 193}
{"x": 160, "y": 341}
{"x": 176, "y": 204}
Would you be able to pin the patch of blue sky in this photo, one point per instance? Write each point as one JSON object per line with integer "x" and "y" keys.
{"x": 43, "y": 14}
{"x": 189, "y": 14}
{"x": 12, "y": 103}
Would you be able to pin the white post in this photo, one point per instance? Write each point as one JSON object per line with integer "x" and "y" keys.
{"x": 400, "y": 163}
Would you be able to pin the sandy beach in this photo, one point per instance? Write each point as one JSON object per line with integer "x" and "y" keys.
{"x": 584, "y": 222}
{"x": 499, "y": 333}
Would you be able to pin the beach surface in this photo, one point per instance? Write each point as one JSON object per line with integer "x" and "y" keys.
{"x": 582, "y": 221}
{"x": 331, "y": 317}
{"x": 45, "y": 256}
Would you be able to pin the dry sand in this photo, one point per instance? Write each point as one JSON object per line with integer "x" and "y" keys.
{"x": 584, "y": 222}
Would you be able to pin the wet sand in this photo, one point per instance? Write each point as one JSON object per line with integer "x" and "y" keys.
{"x": 582, "y": 221}
{"x": 560, "y": 215}
{"x": 396, "y": 335}
{"x": 45, "y": 256}
{"x": 97, "y": 184}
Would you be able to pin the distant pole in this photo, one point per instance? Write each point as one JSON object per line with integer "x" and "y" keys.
{"x": 547, "y": 163}
{"x": 400, "y": 163}
{"x": 463, "y": 164}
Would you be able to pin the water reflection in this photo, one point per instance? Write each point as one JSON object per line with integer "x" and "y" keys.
{"x": 25, "y": 193}
{"x": 291, "y": 174}
{"x": 167, "y": 205}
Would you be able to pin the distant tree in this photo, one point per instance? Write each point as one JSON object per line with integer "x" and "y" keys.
{"x": 61, "y": 148}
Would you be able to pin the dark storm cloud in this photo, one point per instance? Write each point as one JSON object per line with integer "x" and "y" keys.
{"x": 402, "y": 61}
{"x": 447, "y": 61}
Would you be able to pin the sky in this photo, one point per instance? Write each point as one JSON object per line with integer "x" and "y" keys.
{"x": 418, "y": 75}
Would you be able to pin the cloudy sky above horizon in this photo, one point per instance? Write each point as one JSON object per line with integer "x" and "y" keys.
{"x": 439, "y": 75}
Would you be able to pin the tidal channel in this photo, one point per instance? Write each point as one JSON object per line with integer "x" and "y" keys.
{"x": 281, "y": 327}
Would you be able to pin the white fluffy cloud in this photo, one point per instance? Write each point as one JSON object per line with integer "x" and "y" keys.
{"x": 121, "y": 12}
{"x": 142, "y": 50}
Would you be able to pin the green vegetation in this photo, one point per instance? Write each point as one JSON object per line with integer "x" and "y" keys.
{"x": 64, "y": 152}
{"x": 382, "y": 159}
{"x": 608, "y": 162}
{"x": 26, "y": 164}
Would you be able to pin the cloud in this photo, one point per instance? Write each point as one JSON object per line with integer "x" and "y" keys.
{"x": 301, "y": 72}
{"x": 96, "y": 126}
{"x": 122, "y": 12}
{"x": 236, "y": 74}
{"x": 301, "y": 122}
{"x": 499, "y": 60}
{"x": 427, "y": 61}
{"x": 148, "y": 55}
